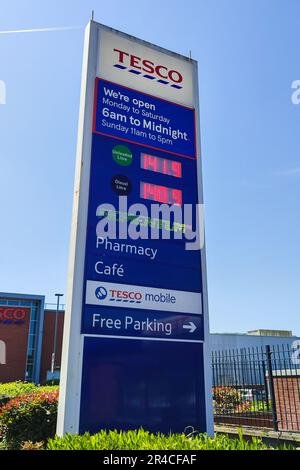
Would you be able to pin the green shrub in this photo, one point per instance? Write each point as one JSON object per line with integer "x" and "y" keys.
{"x": 18, "y": 388}
{"x": 15, "y": 389}
{"x": 143, "y": 440}
{"x": 46, "y": 388}
{"x": 30, "y": 417}
{"x": 229, "y": 399}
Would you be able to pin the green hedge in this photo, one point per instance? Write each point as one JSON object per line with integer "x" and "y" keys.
{"x": 142, "y": 440}
{"x": 29, "y": 417}
{"x": 15, "y": 389}
{"x": 226, "y": 399}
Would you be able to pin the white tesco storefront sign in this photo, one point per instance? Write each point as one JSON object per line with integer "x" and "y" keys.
{"x": 118, "y": 51}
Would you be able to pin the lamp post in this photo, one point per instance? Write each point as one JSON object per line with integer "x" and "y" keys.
{"x": 55, "y": 336}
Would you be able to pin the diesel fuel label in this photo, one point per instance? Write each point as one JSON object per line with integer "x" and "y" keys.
{"x": 141, "y": 118}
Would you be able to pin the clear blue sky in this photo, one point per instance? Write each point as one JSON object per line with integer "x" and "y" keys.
{"x": 248, "y": 53}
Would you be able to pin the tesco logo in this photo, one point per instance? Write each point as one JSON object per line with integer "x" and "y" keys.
{"x": 122, "y": 295}
{"x": 125, "y": 295}
{"x": 119, "y": 295}
{"x": 12, "y": 314}
{"x": 141, "y": 66}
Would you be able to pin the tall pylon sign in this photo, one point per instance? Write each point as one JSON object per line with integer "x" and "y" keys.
{"x": 135, "y": 351}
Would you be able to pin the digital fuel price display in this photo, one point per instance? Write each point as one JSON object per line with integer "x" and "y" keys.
{"x": 161, "y": 165}
{"x": 159, "y": 193}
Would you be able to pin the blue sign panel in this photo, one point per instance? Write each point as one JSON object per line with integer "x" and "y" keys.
{"x": 142, "y": 297}
{"x": 142, "y": 383}
{"x": 137, "y": 117}
{"x": 155, "y": 263}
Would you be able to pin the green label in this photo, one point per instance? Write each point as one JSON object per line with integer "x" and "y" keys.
{"x": 122, "y": 155}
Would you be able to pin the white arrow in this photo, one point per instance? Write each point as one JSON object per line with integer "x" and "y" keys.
{"x": 191, "y": 327}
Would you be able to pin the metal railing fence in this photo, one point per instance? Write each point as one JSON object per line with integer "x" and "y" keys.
{"x": 257, "y": 387}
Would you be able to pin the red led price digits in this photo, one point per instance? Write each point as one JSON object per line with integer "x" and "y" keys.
{"x": 150, "y": 163}
{"x": 176, "y": 169}
{"x": 165, "y": 167}
{"x": 161, "y": 194}
{"x": 147, "y": 191}
{"x": 155, "y": 192}
{"x": 161, "y": 165}
{"x": 177, "y": 197}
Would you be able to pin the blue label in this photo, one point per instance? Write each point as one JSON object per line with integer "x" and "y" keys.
{"x": 137, "y": 117}
{"x": 157, "y": 385}
{"x": 142, "y": 297}
{"x": 116, "y": 166}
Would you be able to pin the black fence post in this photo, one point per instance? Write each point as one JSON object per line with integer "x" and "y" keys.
{"x": 271, "y": 387}
{"x": 265, "y": 383}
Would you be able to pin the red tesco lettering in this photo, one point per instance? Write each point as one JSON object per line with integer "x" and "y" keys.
{"x": 12, "y": 313}
{"x": 125, "y": 295}
{"x": 149, "y": 67}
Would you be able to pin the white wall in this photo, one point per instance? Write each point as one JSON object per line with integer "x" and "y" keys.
{"x": 225, "y": 341}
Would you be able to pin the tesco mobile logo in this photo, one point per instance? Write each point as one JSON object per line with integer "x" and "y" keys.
{"x": 118, "y": 295}
{"x": 101, "y": 293}
{"x": 148, "y": 69}
{"x": 137, "y": 297}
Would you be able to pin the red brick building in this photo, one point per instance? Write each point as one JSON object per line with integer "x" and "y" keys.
{"x": 48, "y": 342}
{"x": 14, "y": 335}
{"x": 27, "y": 333}
{"x": 287, "y": 399}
